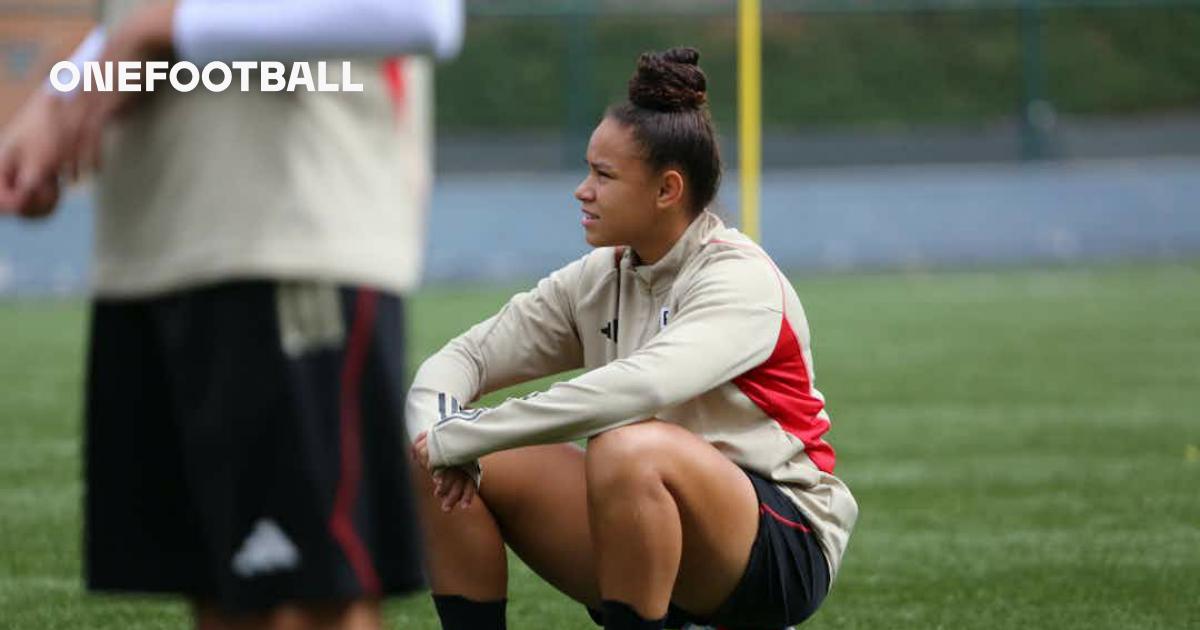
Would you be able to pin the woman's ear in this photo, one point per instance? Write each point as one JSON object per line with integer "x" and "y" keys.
{"x": 670, "y": 189}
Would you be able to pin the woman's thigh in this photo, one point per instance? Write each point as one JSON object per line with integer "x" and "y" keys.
{"x": 538, "y": 495}
{"x": 718, "y": 508}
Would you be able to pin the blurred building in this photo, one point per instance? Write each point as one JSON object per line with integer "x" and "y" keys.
{"x": 34, "y": 34}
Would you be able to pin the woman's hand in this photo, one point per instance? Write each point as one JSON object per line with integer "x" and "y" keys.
{"x": 420, "y": 450}
{"x": 454, "y": 486}
{"x": 32, "y": 147}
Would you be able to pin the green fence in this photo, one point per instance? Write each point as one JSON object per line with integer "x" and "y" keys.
{"x": 836, "y": 64}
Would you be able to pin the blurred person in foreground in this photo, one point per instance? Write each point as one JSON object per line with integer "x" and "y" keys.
{"x": 244, "y": 405}
{"x": 706, "y": 494}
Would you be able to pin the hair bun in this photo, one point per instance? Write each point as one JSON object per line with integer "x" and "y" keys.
{"x": 669, "y": 81}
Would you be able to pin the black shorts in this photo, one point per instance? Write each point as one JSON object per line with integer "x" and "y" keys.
{"x": 786, "y": 578}
{"x": 245, "y": 446}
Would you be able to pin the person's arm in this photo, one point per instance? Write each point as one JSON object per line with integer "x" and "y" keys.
{"x": 33, "y": 143}
{"x": 212, "y": 30}
{"x": 727, "y": 323}
{"x": 31, "y": 148}
{"x": 533, "y": 335}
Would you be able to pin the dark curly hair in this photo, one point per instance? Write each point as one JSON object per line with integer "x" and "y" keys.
{"x": 668, "y": 113}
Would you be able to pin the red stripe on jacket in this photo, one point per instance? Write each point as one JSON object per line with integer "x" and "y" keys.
{"x": 781, "y": 388}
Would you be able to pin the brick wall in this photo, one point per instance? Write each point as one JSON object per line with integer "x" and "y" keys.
{"x": 34, "y": 34}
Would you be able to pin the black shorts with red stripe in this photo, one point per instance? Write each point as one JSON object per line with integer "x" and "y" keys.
{"x": 786, "y": 577}
{"x": 245, "y": 446}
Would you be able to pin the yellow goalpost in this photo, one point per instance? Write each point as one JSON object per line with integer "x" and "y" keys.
{"x": 749, "y": 112}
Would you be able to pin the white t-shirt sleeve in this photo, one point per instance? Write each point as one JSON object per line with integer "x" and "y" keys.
{"x": 285, "y": 30}
{"x": 89, "y": 49}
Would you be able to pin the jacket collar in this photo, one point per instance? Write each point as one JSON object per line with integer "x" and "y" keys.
{"x": 694, "y": 237}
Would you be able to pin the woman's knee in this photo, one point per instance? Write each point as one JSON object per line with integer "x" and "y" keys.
{"x": 632, "y": 455}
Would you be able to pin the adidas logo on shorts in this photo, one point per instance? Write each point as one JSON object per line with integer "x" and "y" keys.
{"x": 266, "y": 550}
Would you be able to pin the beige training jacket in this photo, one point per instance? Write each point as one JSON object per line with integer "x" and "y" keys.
{"x": 712, "y": 337}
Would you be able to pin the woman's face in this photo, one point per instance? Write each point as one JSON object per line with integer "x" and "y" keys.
{"x": 619, "y": 192}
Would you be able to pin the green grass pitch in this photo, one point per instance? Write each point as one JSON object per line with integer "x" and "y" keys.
{"x": 1024, "y": 445}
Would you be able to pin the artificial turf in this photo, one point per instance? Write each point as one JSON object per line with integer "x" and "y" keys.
{"x": 1024, "y": 446}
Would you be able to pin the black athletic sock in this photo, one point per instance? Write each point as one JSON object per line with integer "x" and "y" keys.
{"x": 459, "y": 613}
{"x": 622, "y": 616}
